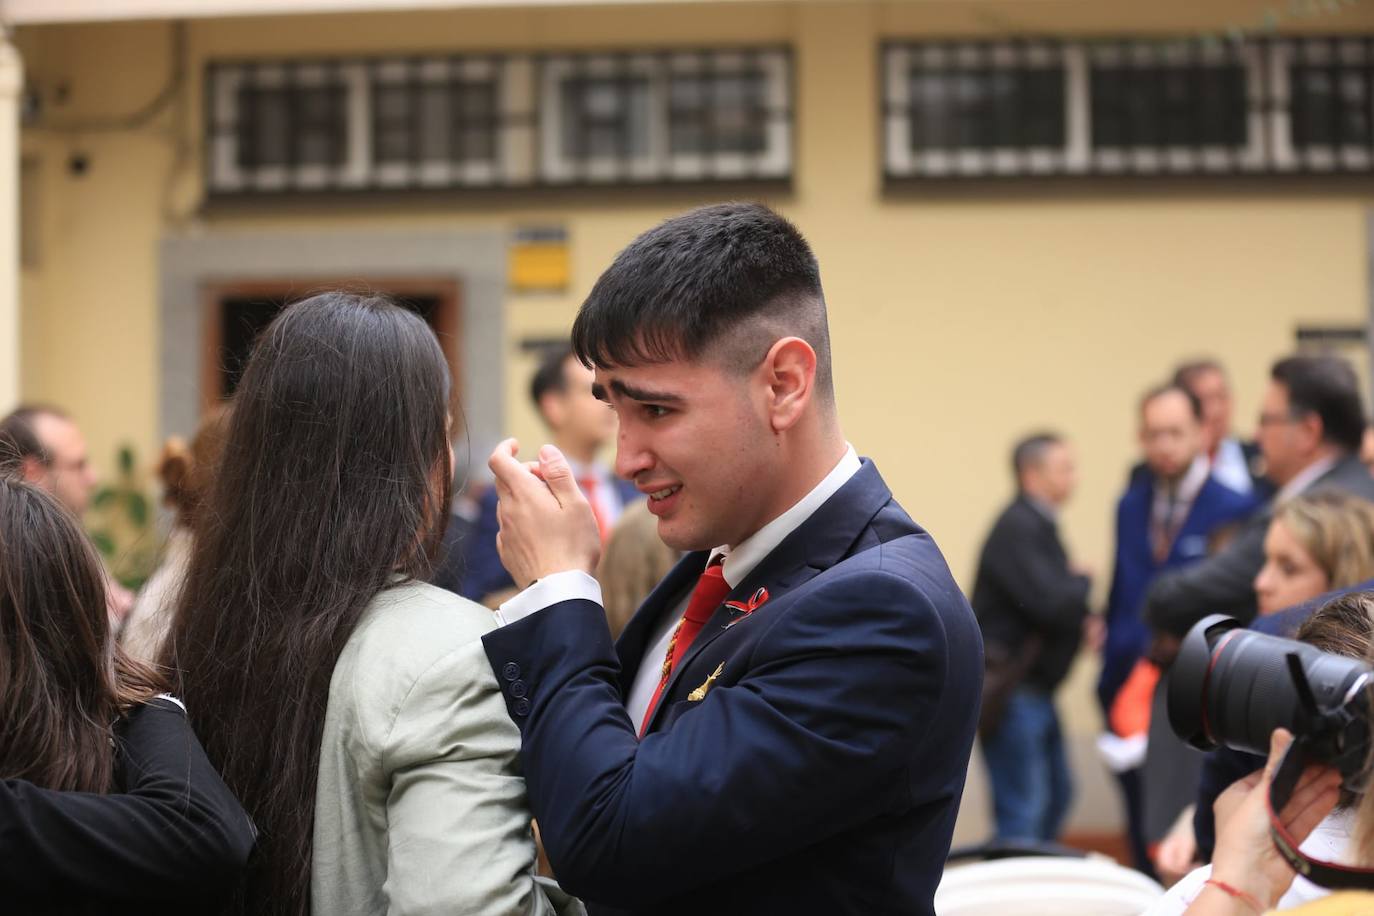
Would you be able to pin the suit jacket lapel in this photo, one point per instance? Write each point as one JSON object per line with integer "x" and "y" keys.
{"x": 634, "y": 640}
{"x": 817, "y": 544}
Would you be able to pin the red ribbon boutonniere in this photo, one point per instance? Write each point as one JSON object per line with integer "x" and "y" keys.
{"x": 746, "y": 608}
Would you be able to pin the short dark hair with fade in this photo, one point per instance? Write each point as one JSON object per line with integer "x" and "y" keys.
{"x": 19, "y": 439}
{"x": 726, "y": 281}
{"x": 1031, "y": 450}
{"x": 1328, "y": 387}
{"x": 1159, "y": 391}
{"x": 1187, "y": 372}
{"x": 549, "y": 376}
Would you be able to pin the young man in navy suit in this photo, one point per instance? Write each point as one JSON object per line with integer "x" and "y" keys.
{"x": 785, "y": 725}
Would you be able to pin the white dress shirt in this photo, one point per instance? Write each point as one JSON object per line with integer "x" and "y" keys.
{"x": 739, "y": 561}
{"x": 1303, "y": 480}
{"x": 1230, "y": 468}
{"x": 1171, "y": 505}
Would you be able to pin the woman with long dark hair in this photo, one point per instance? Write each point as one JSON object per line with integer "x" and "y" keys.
{"x": 79, "y": 716}
{"x": 349, "y": 704}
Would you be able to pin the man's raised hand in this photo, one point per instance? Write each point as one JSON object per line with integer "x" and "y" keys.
{"x": 547, "y": 525}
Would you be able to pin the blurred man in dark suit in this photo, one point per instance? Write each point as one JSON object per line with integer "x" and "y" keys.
{"x": 1311, "y": 426}
{"x": 561, "y": 390}
{"x": 1031, "y": 604}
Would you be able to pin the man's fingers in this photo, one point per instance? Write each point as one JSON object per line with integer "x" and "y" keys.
{"x": 504, "y": 465}
{"x": 557, "y": 473}
{"x": 512, "y": 475}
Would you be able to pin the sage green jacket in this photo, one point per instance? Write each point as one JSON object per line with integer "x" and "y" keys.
{"x": 420, "y": 807}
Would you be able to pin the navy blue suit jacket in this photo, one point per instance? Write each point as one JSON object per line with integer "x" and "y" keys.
{"x": 822, "y": 770}
{"x": 485, "y": 573}
{"x": 1128, "y": 636}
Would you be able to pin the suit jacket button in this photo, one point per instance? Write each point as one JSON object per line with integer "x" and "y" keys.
{"x": 518, "y": 689}
{"x": 511, "y": 671}
{"x": 522, "y": 707}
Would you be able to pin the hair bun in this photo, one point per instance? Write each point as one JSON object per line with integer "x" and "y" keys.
{"x": 174, "y": 467}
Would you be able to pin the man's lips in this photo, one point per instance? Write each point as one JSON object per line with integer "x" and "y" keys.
{"x": 660, "y": 491}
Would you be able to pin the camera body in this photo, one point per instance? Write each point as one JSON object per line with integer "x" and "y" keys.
{"x": 1232, "y": 687}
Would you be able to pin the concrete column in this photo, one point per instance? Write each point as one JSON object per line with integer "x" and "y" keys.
{"x": 11, "y": 89}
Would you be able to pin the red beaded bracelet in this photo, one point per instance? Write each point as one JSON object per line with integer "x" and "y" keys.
{"x": 1238, "y": 894}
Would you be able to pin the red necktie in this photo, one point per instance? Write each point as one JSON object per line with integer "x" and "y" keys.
{"x": 588, "y": 485}
{"x": 710, "y": 591}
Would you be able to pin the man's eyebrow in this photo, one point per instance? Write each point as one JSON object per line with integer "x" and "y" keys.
{"x": 641, "y": 394}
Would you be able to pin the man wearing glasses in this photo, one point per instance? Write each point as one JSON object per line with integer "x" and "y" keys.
{"x": 1310, "y": 427}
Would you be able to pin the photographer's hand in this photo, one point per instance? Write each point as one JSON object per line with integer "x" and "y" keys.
{"x": 547, "y": 526}
{"x": 1245, "y": 863}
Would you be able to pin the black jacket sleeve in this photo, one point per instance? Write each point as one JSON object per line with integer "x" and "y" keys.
{"x": 175, "y": 833}
{"x": 1221, "y": 584}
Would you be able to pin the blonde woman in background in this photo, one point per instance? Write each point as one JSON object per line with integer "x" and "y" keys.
{"x": 632, "y": 563}
{"x": 1316, "y": 543}
{"x": 185, "y": 473}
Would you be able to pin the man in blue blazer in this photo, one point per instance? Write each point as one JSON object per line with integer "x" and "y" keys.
{"x": 1165, "y": 520}
{"x": 561, "y": 390}
{"x": 785, "y": 726}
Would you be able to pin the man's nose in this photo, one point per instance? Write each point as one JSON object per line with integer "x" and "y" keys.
{"x": 631, "y": 458}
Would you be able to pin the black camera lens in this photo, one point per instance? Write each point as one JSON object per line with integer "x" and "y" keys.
{"x": 1231, "y": 686}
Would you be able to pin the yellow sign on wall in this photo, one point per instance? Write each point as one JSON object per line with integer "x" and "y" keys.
{"x": 539, "y": 261}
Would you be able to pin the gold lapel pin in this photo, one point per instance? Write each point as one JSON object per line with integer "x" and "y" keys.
{"x": 700, "y": 693}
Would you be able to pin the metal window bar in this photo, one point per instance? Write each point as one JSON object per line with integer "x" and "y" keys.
{"x": 1335, "y": 115}
{"x": 1176, "y": 107}
{"x": 743, "y": 111}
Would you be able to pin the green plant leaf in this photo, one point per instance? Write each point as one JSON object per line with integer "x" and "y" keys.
{"x": 104, "y": 495}
{"x": 126, "y": 460}
{"x": 138, "y": 509}
{"x": 103, "y": 543}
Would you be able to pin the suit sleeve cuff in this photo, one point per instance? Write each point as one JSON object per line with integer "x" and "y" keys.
{"x": 548, "y": 591}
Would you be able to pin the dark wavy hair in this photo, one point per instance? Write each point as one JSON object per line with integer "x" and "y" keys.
{"x": 334, "y": 479}
{"x": 63, "y": 681}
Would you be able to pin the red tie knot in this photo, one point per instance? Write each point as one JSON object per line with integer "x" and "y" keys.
{"x": 711, "y": 590}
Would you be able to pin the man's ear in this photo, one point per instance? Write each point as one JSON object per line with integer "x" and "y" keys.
{"x": 790, "y": 374}
{"x": 552, "y": 409}
{"x": 1310, "y": 425}
{"x": 32, "y": 470}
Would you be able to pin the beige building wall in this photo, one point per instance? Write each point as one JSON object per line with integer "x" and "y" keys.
{"x": 961, "y": 319}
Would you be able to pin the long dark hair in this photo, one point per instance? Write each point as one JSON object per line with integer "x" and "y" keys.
{"x": 334, "y": 478}
{"x": 63, "y": 681}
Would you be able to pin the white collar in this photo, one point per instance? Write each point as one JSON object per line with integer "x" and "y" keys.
{"x": 741, "y": 559}
{"x": 1305, "y": 478}
{"x": 583, "y": 471}
{"x": 1190, "y": 484}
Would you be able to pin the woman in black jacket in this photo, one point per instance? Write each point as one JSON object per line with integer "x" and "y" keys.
{"x": 105, "y": 795}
